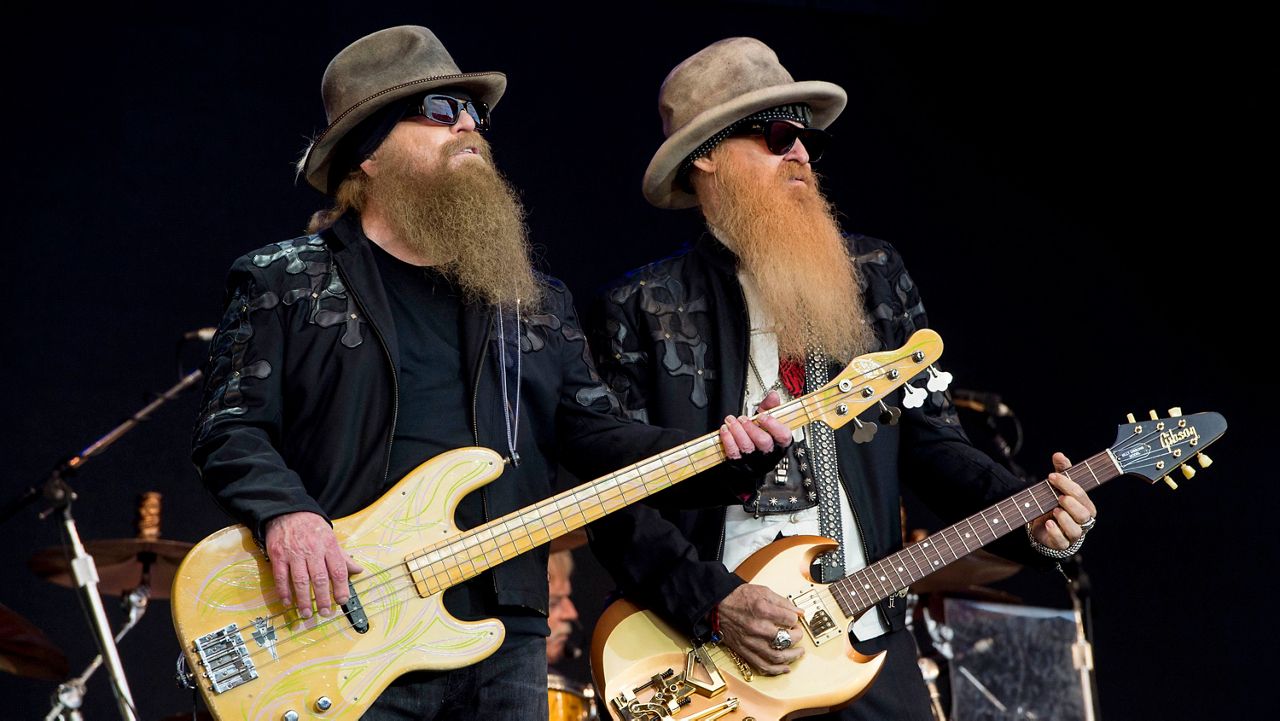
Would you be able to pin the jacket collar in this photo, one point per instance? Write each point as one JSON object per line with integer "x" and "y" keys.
{"x": 353, "y": 254}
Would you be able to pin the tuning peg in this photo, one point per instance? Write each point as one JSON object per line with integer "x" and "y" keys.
{"x": 1188, "y": 472}
{"x": 1204, "y": 460}
{"x": 889, "y": 416}
{"x": 1154, "y": 415}
{"x": 938, "y": 381}
{"x": 1169, "y": 482}
{"x": 1175, "y": 411}
{"x": 913, "y": 397}
{"x": 864, "y": 432}
{"x": 1129, "y": 417}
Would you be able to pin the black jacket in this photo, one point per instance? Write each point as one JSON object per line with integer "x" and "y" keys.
{"x": 671, "y": 340}
{"x": 301, "y": 399}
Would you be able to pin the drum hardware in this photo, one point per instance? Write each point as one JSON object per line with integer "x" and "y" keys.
{"x": 122, "y": 560}
{"x": 70, "y": 695}
{"x": 59, "y": 495}
{"x": 929, "y": 670}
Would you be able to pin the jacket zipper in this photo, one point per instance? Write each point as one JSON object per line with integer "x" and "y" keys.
{"x": 386, "y": 351}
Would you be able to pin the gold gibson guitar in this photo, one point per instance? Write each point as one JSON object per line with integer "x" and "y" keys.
{"x": 252, "y": 658}
{"x": 649, "y": 672}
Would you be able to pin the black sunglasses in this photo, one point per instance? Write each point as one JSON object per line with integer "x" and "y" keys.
{"x": 781, "y": 135}
{"x": 446, "y": 109}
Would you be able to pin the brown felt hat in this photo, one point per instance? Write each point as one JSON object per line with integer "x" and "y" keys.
{"x": 719, "y": 85}
{"x": 379, "y": 69}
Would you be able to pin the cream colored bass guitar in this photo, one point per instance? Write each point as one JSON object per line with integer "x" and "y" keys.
{"x": 649, "y": 672}
{"x": 252, "y": 658}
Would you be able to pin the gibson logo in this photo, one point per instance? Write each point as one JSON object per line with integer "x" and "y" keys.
{"x": 1169, "y": 439}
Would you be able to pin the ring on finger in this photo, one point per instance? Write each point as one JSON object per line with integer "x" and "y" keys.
{"x": 781, "y": 640}
{"x": 1089, "y": 523}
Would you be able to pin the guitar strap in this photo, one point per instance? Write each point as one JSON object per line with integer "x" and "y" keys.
{"x": 821, "y": 441}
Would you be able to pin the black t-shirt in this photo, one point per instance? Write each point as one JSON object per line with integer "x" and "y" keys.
{"x": 433, "y": 412}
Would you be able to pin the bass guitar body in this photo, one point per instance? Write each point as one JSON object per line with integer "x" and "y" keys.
{"x": 254, "y": 658}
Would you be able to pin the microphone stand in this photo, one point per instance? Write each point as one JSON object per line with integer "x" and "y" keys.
{"x": 60, "y": 495}
{"x": 70, "y": 695}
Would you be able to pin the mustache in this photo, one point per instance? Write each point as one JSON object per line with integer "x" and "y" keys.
{"x": 468, "y": 139}
{"x": 795, "y": 170}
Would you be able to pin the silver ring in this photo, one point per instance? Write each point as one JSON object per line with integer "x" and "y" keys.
{"x": 781, "y": 640}
{"x": 1089, "y": 523}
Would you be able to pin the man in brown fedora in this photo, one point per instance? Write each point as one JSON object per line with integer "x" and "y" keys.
{"x": 409, "y": 321}
{"x": 773, "y": 298}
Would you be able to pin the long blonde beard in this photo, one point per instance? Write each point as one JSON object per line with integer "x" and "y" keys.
{"x": 468, "y": 219}
{"x": 786, "y": 238}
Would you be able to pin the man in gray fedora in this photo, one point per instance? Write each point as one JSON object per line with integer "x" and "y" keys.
{"x": 409, "y": 321}
{"x": 774, "y": 297}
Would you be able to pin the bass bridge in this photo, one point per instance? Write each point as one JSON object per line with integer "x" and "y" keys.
{"x": 669, "y": 692}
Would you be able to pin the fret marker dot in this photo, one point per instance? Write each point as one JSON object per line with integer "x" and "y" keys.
{"x": 997, "y": 520}
{"x": 925, "y": 544}
{"x": 966, "y": 535}
{"x": 1026, "y": 505}
{"x": 882, "y": 578}
{"x": 866, "y": 586}
{"x": 935, "y": 563}
{"x": 899, "y": 569}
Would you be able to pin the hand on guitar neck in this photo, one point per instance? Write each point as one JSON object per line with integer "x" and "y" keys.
{"x": 741, "y": 437}
{"x": 751, "y": 615}
{"x": 1061, "y": 527}
{"x": 305, "y": 555}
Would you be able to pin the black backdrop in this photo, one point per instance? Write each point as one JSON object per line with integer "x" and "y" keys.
{"x": 1072, "y": 187}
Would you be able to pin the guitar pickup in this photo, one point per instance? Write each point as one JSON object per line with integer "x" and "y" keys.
{"x": 817, "y": 620}
{"x": 354, "y": 610}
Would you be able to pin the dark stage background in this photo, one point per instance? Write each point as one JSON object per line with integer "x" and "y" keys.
{"x": 1071, "y": 186}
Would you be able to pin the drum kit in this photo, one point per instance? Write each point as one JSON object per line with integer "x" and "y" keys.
{"x": 136, "y": 569}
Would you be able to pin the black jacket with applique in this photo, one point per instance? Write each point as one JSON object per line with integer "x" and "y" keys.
{"x": 671, "y": 340}
{"x": 300, "y": 405}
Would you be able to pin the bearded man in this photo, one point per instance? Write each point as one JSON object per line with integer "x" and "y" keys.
{"x": 409, "y": 322}
{"x": 775, "y": 298}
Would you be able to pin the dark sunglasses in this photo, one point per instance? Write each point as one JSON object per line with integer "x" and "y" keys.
{"x": 446, "y": 109}
{"x": 780, "y": 136}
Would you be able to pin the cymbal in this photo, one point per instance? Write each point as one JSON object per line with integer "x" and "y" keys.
{"x": 26, "y": 651}
{"x": 967, "y": 574}
{"x": 119, "y": 563}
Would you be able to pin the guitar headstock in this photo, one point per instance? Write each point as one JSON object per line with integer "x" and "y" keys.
{"x": 1154, "y": 448}
{"x": 870, "y": 378}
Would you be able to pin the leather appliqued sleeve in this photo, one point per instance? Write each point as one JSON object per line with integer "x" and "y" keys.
{"x": 227, "y": 366}
{"x": 597, "y": 390}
